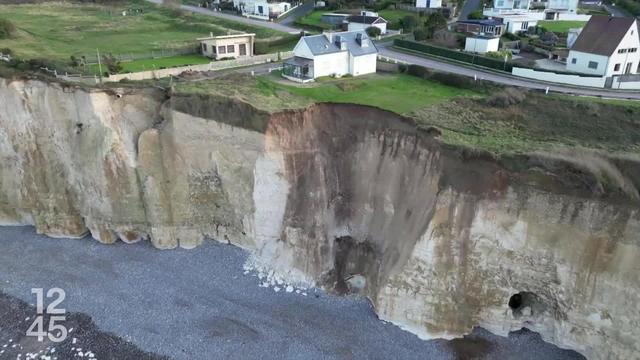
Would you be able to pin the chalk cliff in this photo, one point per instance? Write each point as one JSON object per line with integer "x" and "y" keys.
{"x": 349, "y": 197}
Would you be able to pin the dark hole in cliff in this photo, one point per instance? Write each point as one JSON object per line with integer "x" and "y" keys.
{"x": 526, "y": 303}
{"x": 515, "y": 301}
{"x": 355, "y": 266}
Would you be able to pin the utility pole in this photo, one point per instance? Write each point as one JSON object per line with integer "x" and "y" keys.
{"x": 99, "y": 65}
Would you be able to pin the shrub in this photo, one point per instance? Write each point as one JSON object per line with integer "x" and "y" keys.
{"x": 373, "y": 31}
{"x": 418, "y": 71}
{"x": 6, "y": 51}
{"x": 506, "y": 98}
{"x": 112, "y": 64}
{"x": 454, "y": 80}
{"x": 510, "y": 36}
{"x": 421, "y": 34}
{"x": 7, "y": 29}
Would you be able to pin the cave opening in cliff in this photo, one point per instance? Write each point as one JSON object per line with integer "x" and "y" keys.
{"x": 356, "y": 265}
{"x": 515, "y": 301}
{"x": 526, "y": 303}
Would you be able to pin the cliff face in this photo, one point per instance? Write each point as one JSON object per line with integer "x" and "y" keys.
{"x": 350, "y": 197}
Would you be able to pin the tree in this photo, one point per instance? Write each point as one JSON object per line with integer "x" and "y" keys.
{"x": 373, "y": 31}
{"x": 409, "y": 23}
{"x": 112, "y": 64}
{"x": 435, "y": 21}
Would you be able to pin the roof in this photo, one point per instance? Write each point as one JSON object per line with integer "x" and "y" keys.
{"x": 486, "y": 22}
{"x": 602, "y": 34}
{"x": 320, "y": 44}
{"x": 361, "y": 19}
{"x": 224, "y": 37}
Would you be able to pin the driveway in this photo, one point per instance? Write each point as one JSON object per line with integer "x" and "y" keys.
{"x": 387, "y": 51}
{"x": 254, "y": 22}
{"x": 299, "y": 12}
{"x": 136, "y": 302}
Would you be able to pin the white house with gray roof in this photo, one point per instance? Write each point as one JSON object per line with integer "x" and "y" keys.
{"x": 331, "y": 54}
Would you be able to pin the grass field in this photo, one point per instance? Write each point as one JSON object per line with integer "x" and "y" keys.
{"x": 152, "y": 64}
{"x": 561, "y": 26}
{"x": 394, "y": 16}
{"x": 399, "y": 93}
{"x": 56, "y": 31}
{"x": 313, "y": 19}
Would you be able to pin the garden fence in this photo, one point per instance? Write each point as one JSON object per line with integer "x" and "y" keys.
{"x": 475, "y": 59}
{"x": 186, "y": 50}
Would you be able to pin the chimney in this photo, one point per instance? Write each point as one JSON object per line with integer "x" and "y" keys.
{"x": 211, "y": 34}
{"x": 329, "y": 36}
{"x": 362, "y": 40}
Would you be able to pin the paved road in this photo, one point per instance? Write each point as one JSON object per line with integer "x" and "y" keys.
{"x": 199, "y": 304}
{"x": 386, "y": 50}
{"x": 254, "y": 22}
{"x": 468, "y": 7}
{"x": 616, "y": 10}
{"x": 299, "y": 12}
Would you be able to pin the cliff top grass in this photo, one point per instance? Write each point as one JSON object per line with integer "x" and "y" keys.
{"x": 537, "y": 123}
{"x": 55, "y": 31}
{"x": 500, "y": 121}
{"x": 399, "y": 93}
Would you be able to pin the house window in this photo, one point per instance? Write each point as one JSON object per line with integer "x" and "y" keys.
{"x": 593, "y": 65}
{"x": 242, "y": 48}
{"x": 574, "y": 60}
{"x": 230, "y": 49}
{"x": 500, "y": 3}
{"x": 632, "y": 50}
{"x": 616, "y": 67}
{"x": 524, "y": 26}
{"x": 222, "y": 50}
{"x": 622, "y": 51}
{"x": 204, "y": 48}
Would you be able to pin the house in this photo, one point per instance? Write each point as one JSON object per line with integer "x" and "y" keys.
{"x": 227, "y": 46}
{"x": 515, "y": 23}
{"x": 482, "y": 44}
{"x": 563, "y": 5}
{"x": 429, "y": 4}
{"x": 261, "y": 9}
{"x": 511, "y": 4}
{"x": 362, "y": 22}
{"x": 338, "y": 54}
{"x": 477, "y": 27}
{"x": 606, "y": 46}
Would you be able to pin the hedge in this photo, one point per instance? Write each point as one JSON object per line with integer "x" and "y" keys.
{"x": 455, "y": 55}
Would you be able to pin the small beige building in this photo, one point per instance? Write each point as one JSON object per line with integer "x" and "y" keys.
{"x": 227, "y": 46}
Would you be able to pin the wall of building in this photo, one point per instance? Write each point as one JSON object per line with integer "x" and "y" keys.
{"x": 515, "y": 26}
{"x": 431, "y": 4}
{"x": 364, "y": 64}
{"x": 236, "y": 42}
{"x": 559, "y": 78}
{"x": 573, "y": 17}
{"x": 582, "y": 63}
{"x": 481, "y": 46}
{"x": 629, "y": 41}
{"x": 330, "y": 64}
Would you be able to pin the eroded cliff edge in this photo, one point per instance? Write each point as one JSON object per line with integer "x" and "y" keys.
{"x": 350, "y": 197}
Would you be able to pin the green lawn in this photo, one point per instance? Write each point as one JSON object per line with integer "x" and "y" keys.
{"x": 394, "y": 16}
{"x": 399, "y": 93}
{"x": 152, "y": 64}
{"x": 314, "y": 19}
{"x": 561, "y": 26}
{"x": 56, "y": 31}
